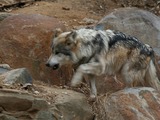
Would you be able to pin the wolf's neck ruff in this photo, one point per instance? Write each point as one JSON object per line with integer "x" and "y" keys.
{"x": 92, "y": 43}
{"x": 83, "y": 60}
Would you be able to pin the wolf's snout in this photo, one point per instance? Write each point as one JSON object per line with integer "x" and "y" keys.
{"x": 54, "y": 66}
{"x": 47, "y": 64}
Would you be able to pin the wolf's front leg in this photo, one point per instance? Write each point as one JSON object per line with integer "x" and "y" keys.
{"x": 77, "y": 78}
{"x": 93, "y": 68}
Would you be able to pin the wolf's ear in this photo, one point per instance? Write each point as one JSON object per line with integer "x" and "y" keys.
{"x": 57, "y": 32}
{"x": 70, "y": 38}
{"x": 73, "y": 34}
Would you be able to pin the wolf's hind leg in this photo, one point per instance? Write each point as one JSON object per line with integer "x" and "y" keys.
{"x": 132, "y": 76}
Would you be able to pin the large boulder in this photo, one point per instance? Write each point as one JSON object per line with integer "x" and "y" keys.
{"x": 25, "y": 41}
{"x": 136, "y": 22}
{"x": 21, "y": 105}
{"x": 129, "y": 104}
{"x": 71, "y": 105}
{"x": 45, "y": 103}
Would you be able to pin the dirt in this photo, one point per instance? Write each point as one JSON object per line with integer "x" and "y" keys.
{"x": 69, "y": 12}
{"x": 72, "y": 12}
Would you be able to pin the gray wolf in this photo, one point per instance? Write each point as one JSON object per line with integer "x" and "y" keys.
{"x": 97, "y": 52}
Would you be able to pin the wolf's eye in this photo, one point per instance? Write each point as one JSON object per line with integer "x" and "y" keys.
{"x": 68, "y": 43}
{"x": 56, "y": 52}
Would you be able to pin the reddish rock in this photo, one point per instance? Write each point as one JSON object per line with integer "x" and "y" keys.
{"x": 129, "y": 104}
{"x": 106, "y": 84}
{"x": 25, "y": 42}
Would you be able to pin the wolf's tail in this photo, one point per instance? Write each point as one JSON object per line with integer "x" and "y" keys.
{"x": 152, "y": 76}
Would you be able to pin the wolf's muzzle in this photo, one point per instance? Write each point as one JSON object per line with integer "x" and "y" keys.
{"x": 54, "y": 67}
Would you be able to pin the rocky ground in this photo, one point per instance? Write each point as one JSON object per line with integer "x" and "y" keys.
{"x": 73, "y": 13}
{"x": 29, "y": 90}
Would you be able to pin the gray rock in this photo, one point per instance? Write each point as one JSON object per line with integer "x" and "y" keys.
{"x": 89, "y": 21}
{"x": 4, "y": 15}
{"x": 45, "y": 115}
{"x": 4, "y": 68}
{"x": 21, "y": 76}
{"x": 70, "y": 105}
{"x": 62, "y": 105}
{"x": 136, "y": 22}
{"x": 6, "y": 117}
{"x": 11, "y": 100}
{"x": 21, "y": 105}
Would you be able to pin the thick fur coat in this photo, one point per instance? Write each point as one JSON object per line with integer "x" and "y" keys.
{"x": 97, "y": 52}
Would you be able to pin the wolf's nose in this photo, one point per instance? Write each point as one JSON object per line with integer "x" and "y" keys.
{"x": 47, "y": 64}
{"x": 56, "y": 66}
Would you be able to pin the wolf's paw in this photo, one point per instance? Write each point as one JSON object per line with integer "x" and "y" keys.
{"x": 76, "y": 80}
{"x": 74, "y": 83}
{"x": 92, "y": 98}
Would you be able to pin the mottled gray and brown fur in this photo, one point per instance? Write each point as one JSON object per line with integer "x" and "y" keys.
{"x": 97, "y": 52}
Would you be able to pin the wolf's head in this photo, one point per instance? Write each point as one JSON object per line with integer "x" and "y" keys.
{"x": 63, "y": 46}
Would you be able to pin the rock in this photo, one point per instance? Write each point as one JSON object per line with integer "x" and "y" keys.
{"x": 21, "y": 105}
{"x": 20, "y": 76}
{"x": 27, "y": 86}
{"x": 51, "y": 104}
{"x": 7, "y": 117}
{"x": 66, "y": 8}
{"x": 138, "y": 3}
{"x": 4, "y": 68}
{"x": 9, "y": 100}
{"x": 4, "y": 15}
{"x": 106, "y": 84}
{"x": 26, "y": 38}
{"x": 89, "y": 21}
{"x": 136, "y": 22}
{"x": 45, "y": 115}
{"x": 130, "y": 104}
{"x": 71, "y": 105}
{"x": 13, "y": 2}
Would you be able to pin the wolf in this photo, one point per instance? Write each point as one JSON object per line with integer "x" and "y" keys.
{"x": 97, "y": 52}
